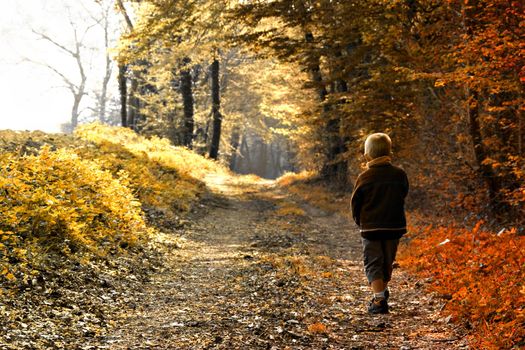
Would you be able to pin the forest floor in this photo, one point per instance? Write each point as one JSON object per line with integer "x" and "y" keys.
{"x": 246, "y": 277}
{"x": 252, "y": 267}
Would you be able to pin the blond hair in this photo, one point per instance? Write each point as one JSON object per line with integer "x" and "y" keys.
{"x": 378, "y": 145}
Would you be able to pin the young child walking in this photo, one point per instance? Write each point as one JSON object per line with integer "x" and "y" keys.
{"x": 378, "y": 202}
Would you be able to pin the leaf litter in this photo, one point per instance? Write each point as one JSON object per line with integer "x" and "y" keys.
{"x": 236, "y": 274}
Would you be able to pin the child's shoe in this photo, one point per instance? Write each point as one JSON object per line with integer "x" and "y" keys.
{"x": 378, "y": 306}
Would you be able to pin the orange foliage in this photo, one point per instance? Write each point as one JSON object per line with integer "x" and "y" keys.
{"x": 317, "y": 328}
{"x": 482, "y": 272}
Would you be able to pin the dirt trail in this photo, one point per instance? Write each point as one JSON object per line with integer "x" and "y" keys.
{"x": 247, "y": 278}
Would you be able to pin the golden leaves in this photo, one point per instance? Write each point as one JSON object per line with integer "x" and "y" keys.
{"x": 290, "y": 209}
{"x": 87, "y": 199}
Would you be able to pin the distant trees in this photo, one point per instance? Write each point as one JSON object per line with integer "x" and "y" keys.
{"x": 188, "y": 69}
{"x": 106, "y": 23}
{"x": 75, "y": 52}
{"x": 80, "y": 47}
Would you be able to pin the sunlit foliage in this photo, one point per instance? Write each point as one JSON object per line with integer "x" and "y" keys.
{"x": 161, "y": 175}
{"x": 55, "y": 201}
{"x": 481, "y": 273}
{"x": 88, "y": 198}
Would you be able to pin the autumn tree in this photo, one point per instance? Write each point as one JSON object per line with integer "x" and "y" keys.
{"x": 445, "y": 78}
{"x": 462, "y": 55}
{"x": 165, "y": 64}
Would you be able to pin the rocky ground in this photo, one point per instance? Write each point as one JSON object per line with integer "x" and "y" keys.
{"x": 238, "y": 273}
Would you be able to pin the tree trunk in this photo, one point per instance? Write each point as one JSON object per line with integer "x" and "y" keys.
{"x": 186, "y": 90}
{"x": 78, "y": 95}
{"x": 336, "y": 167}
{"x": 333, "y": 168}
{"x": 75, "y": 112}
{"x": 122, "y": 70}
{"x": 216, "y": 105}
{"x": 123, "y": 90}
{"x": 234, "y": 143}
{"x": 276, "y": 160}
{"x": 108, "y": 69}
{"x": 480, "y": 152}
{"x": 519, "y": 114}
{"x": 133, "y": 104}
{"x": 263, "y": 166}
{"x": 246, "y": 157}
{"x": 104, "y": 97}
{"x": 313, "y": 67}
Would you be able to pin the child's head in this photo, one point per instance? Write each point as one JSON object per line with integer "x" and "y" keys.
{"x": 378, "y": 145}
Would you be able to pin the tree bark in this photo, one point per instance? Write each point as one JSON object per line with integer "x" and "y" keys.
{"x": 107, "y": 75}
{"x": 336, "y": 166}
{"x": 216, "y": 105}
{"x": 275, "y": 153}
{"x": 263, "y": 164}
{"x": 75, "y": 111}
{"x": 246, "y": 157}
{"x": 122, "y": 70}
{"x": 313, "y": 66}
{"x": 480, "y": 152}
{"x": 133, "y": 104}
{"x": 123, "y": 90}
{"x": 186, "y": 89}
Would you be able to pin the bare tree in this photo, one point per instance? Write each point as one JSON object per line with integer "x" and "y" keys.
{"x": 75, "y": 51}
{"x": 86, "y": 26}
{"x": 103, "y": 18}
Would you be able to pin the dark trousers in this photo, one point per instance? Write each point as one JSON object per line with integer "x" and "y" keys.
{"x": 378, "y": 258}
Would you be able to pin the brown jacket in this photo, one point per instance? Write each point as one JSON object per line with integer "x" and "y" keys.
{"x": 378, "y": 200}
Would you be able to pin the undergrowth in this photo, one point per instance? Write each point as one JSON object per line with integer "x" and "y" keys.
{"x": 84, "y": 197}
{"x": 481, "y": 272}
{"x": 55, "y": 201}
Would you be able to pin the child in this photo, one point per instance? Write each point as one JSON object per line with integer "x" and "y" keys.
{"x": 378, "y": 203}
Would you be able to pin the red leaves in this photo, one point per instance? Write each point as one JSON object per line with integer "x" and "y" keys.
{"x": 484, "y": 274}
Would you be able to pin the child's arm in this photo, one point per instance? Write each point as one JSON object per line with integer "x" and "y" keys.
{"x": 356, "y": 204}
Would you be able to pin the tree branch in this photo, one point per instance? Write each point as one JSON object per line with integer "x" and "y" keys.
{"x": 70, "y": 85}
{"x": 124, "y": 12}
{"x": 57, "y": 44}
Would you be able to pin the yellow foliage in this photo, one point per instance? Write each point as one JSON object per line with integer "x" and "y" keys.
{"x": 288, "y": 178}
{"x": 327, "y": 274}
{"x": 56, "y": 200}
{"x": 185, "y": 161}
{"x": 161, "y": 175}
{"x": 289, "y": 209}
{"x": 86, "y": 198}
{"x": 317, "y": 194}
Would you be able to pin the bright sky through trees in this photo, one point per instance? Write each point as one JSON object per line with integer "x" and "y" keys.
{"x": 34, "y": 98}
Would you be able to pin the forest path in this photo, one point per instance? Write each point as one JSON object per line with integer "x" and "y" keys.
{"x": 247, "y": 276}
